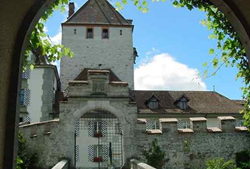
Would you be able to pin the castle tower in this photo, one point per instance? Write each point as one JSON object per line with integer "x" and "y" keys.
{"x": 101, "y": 38}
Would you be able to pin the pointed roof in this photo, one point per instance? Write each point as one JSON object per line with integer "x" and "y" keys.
{"x": 98, "y": 12}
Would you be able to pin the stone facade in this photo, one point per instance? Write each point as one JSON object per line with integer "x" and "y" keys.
{"x": 54, "y": 140}
{"x": 190, "y": 149}
{"x": 115, "y": 53}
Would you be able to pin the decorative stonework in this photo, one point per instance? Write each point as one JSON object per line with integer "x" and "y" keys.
{"x": 98, "y": 87}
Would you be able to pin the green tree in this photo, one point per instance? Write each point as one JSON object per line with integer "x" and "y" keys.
{"x": 40, "y": 45}
{"x": 154, "y": 156}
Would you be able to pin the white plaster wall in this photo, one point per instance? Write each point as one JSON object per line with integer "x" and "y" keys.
{"x": 35, "y": 86}
{"x": 84, "y": 140}
{"x": 115, "y": 53}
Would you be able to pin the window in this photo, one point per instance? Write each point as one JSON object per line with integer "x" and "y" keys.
{"x": 97, "y": 127}
{"x": 153, "y": 103}
{"x": 74, "y": 31}
{"x": 90, "y": 33}
{"x": 183, "y": 124}
{"x": 182, "y": 103}
{"x": 153, "y": 125}
{"x": 96, "y": 153}
{"x": 105, "y": 33}
{"x": 120, "y": 32}
{"x": 22, "y": 97}
{"x": 20, "y": 119}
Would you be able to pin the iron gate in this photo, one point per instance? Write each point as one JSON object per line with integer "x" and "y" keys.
{"x": 98, "y": 138}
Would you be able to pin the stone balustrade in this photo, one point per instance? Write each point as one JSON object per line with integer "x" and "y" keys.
{"x": 61, "y": 165}
{"x": 135, "y": 164}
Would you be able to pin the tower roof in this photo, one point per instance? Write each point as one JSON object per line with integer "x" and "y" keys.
{"x": 98, "y": 12}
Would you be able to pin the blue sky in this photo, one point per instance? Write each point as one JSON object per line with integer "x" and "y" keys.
{"x": 174, "y": 36}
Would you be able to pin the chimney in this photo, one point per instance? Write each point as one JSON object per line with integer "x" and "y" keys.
{"x": 71, "y": 8}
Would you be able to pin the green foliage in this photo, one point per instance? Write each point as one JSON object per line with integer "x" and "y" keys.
{"x": 39, "y": 43}
{"x": 155, "y": 156}
{"x": 230, "y": 49}
{"x": 221, "y": 164}
{"x": 243, "y": 159}
{"x": 24, "y": 159}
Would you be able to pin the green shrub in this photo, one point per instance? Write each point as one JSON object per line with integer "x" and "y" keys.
{"x": 221, "y": 164}
{"x": 155, "y": 157}
{"x": 24, "y": 159}
{"x": 243, "y": 159}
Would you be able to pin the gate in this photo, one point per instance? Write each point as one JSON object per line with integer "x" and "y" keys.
{"x": 98, "y": 139}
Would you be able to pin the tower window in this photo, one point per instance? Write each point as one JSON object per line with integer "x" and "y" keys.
{"x": 120, "y": 32}
{"x": 90, "y": 33}
{"x": 105, "y": 33}
{"x": 74, "y": 31}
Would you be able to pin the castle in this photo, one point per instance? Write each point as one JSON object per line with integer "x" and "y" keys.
{"x": 103, "y": 121}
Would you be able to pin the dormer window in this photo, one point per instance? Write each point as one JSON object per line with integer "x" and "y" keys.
{"x": 182, "y": 102}
{"x": 153, "y": 103}
{"x": 90, "y": 33}
{"x": 105, "y": 33}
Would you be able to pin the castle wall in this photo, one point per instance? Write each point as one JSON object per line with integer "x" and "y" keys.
{"x": 190, "y": 148}
{"x": 115, "y": 53}
{"x": 48, "y": 141}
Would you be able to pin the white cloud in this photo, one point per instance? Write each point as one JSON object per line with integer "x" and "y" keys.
{"x": 57, "y": 38}
{"x": 163, "y": 72}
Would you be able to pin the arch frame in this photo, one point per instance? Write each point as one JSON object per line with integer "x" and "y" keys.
{"x": 10, "y": 111}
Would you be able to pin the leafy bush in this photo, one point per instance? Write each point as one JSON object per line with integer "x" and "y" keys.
{"x": 243, "y": 159}
{"x": 24, "y": 159}
{"x": 221, "y": 164}
{"x": 155, "y": 157}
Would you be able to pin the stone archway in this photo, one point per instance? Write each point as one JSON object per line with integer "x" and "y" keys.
{"x": 72, "y": 112}
{"x": 99, "y": 141}
{"x": 17, "y": 19}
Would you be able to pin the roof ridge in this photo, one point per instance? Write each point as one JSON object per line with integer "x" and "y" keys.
{"x": 69, "y": 18}
{"x": 116, "y": 12}
{"x": 97, "y": 12}
{"x": 102, "y": 11}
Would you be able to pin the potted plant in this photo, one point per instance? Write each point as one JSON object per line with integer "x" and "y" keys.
{"x": 98, "y": 134}
{"x": 97, "y": 159}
